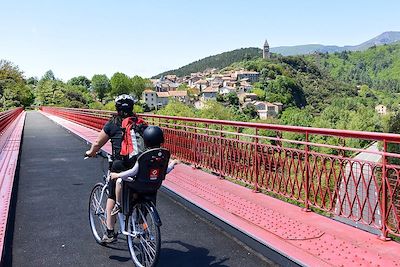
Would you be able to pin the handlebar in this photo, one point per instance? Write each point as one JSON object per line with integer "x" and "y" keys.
{"x": 101, "y": 154}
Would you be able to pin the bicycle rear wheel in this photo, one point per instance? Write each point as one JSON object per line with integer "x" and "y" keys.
{"x": 97, "y": 211}
{"x": 145, "y": 247}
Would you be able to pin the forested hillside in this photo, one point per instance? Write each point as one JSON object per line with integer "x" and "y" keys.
{"x": 378, "y": 67}
{"x": 217, "y": 61}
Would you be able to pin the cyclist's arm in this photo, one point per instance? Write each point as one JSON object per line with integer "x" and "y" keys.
{"x": 100, "y": 141}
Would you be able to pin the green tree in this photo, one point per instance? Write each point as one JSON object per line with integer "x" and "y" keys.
{"x": 14, "y": 92}
{"x": 9, "y": 73}
{"x": 232, "y": 99}
{"x": 297, "y": 117}
{"x": 101, "y": 85}
{"x": 49, "y": 75}
{"x": 45, "y": 92}
{"x": 214, "y": 110}
{"x": 32, "y": 81}
{"x": 80, "y": 80}
{"x": 285, "y": 90}
{"x": 120, "y": 84}
{"x": 250, "y": 111}
{"x": 176, "y": 108}
{"x": 394, "y": 127}
{"x": 183, "y": 87}
{"x": 138, "y": 86}
{"x": 260, "y": 93}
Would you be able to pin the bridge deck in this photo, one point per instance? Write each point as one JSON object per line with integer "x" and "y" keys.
{"x": 307, "y": 238}
{"x": 51, "y": 224}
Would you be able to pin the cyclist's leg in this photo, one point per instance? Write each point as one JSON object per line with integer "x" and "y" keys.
{"x": 110, "y": 235}
{"x": 117, "y": 166}
{"x": 110, "y": 205}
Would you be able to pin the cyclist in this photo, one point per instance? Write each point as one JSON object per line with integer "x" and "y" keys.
{"x": 112, "y": 131}
{"x": 153, "y": 137}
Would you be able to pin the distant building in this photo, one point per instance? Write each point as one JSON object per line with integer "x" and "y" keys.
{"x": 266, "y": 53}
{"x": 381, "y": 109}
{"x": 226, "y": 90}
{"x": 201, "y": 84}
{"x": 150, "y": 98}
{"x": 247, "y": 97}
{"x": 245, "y": 87}
{"x": 265, "y": 109}
{"x": 251, "y": 76}
{"x": 162, "y": 99}
{"x": 209, "y": 93}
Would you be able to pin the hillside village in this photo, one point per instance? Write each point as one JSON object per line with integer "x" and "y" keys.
{"x": 211, "y": 84}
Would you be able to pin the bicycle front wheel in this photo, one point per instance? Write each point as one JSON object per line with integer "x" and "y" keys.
{"x": 145, "y": 247}
{"x": 97, "y": 211}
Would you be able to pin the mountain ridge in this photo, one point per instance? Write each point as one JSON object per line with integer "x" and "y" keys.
{"x": 387, "y": 37}
{"x": 225, "y": 59}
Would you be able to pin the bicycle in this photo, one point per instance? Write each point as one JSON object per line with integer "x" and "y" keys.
{"x": 138, "y": 218}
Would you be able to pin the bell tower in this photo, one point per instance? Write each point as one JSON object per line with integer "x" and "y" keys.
{"x": 266, "y": 53}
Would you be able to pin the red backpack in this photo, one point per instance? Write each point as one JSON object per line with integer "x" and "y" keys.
{"x": 132, "y": 141}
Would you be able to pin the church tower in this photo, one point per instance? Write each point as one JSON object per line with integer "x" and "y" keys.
{"x": 266, "y": 53}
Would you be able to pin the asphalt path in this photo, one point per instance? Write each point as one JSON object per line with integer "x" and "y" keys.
{"x": 50, "y": 226}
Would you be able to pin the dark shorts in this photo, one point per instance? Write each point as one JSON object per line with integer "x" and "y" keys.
{"x": 118, "y": 166}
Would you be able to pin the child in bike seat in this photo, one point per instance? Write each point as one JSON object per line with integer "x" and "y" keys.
{"x": 153, "y": 138}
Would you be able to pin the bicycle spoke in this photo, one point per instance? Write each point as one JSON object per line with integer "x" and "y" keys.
{"x": 151, "y": 250}
{"x": 97, "y": 214}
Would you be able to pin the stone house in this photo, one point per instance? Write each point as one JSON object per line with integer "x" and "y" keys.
{"x": 265, "y": 109}
{"x": 252, "y": 76}
{"x": 162, "y": 99}
{"x": 247, "y": 97}
{"x": 226, "y": 90}
{"x": 209, "y": 93}
{"x": 150, "y": 98}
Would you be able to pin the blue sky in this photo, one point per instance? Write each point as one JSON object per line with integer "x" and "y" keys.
{"x": 147, "y": 37}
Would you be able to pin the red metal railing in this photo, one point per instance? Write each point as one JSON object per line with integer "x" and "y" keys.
{"x": 349, "y": 178}
{"x": 8, "y": 116}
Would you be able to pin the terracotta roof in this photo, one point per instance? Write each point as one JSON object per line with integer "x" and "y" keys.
{"x": 148, "y": 91}
{"x": 162, "y": 94}
{"x": 200, "y": 82}
{"x": 228, "y": 88}
{"x": 178, "y": 93}
{"x": 210, "y": 90}
{"x": 246, "y": 72}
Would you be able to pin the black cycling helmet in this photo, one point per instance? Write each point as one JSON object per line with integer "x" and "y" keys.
{"x": 124, "y": 103}
{"x": 153, "y": 136}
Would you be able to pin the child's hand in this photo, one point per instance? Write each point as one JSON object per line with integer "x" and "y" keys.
{"x": 114, "y": 175}
{"x": 176, "y": 161}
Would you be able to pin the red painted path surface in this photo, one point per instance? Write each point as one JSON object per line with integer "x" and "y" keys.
{"x": 306, "y": 238}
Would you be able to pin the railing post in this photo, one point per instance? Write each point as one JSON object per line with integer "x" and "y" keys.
{"x": 195, "y": 146}
{"x": 220, "y": 151}
{"x": 307, "y": 178}
{"x": 255, "y": 163}
{"x": 383, "y": 235}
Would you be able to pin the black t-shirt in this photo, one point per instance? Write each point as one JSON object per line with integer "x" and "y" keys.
{"x": 114, "y": 131}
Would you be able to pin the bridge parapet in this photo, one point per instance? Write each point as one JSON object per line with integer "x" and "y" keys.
{"x": 344, "y": 174}
{"x": 11, "y": 126}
